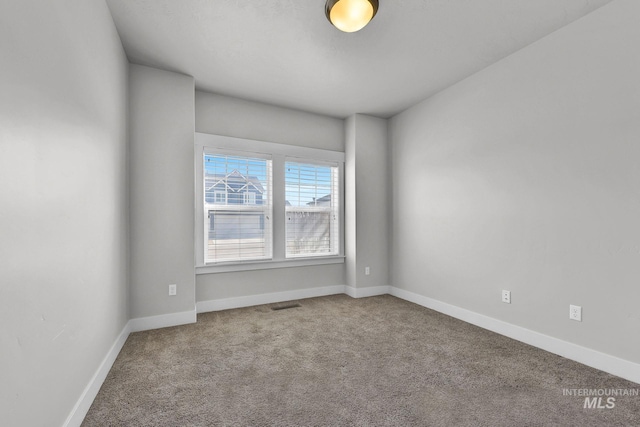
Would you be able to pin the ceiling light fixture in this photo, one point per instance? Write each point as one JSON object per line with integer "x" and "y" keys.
{"x": 350, "y": 15}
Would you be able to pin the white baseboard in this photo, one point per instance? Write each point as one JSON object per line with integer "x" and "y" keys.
{"x": 162, "y": 321}
{"x": 90, "y": 392}
{"x": 604, "y": 362}
{"x": 366, "y": 292}
{"x": 270, "y": 298}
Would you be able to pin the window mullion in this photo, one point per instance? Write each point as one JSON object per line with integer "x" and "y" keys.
{"x": 279, "y": 216}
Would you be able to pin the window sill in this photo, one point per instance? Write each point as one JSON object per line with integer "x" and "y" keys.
{"x": 268, "y": 264}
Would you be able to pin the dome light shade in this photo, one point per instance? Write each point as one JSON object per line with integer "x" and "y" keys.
{"x": 351, "y": 15}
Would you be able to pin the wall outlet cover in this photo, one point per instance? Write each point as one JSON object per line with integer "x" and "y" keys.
{"x": 506, "y": 297}
{"x": 575, "y": 313}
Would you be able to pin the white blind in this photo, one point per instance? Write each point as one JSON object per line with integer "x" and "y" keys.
{"x": 312, "y": 209}
{"x": 238, "y": 208}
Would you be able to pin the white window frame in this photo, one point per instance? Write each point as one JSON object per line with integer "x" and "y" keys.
{"x": 265, "y": 208}
{"x": 336, "y": 226}
{"x": 279, "y": 154}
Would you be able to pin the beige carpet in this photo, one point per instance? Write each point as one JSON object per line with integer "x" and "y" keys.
{"x": 338, "y": 361}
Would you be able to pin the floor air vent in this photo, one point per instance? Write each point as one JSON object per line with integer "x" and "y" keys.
{"x": 285, "y": 306}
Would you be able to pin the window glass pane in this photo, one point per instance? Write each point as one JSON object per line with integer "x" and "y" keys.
{"x": 237, "y": 207}
{"x": 311, "y": 193}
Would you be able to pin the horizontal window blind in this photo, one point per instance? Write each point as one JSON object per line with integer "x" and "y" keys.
{"x": 312, "y": 209}
{"x": 238, "y": 208}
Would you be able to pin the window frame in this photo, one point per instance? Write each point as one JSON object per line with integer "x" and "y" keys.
{"x": 279, "y": 154}
{"x": 242, "y": 209}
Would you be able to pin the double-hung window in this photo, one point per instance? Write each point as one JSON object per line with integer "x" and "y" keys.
{"x": 237, "y": 205}
{"x": 312, "y": 215}
{"x": 266, "y": 205}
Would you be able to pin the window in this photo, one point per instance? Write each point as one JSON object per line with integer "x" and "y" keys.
{"x": 220, "y": 197}
{"x": 311, "y": 209}
{"x": 238, "y": 226}
{"x": 265, "y": 205}
{"x": 249, "y": 198}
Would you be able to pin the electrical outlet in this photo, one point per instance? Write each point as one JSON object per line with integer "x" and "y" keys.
{"x": 575, "y": 313}
{"x": 506, "y": 297}
{"x": 367, "y": 271}
{"x": 172, "y": 289}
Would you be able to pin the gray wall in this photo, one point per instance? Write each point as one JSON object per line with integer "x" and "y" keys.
{"x": 162, "y": 196}
{"x": 222, "y": 115}
{"x": 525, "y": 177}
{"x": 367, "y": 201}
{"x": 63, "y": 203}
{"x": 351, "y": 236}
{"x": 228, "y": 116}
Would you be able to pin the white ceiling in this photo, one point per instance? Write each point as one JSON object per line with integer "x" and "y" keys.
{"x": 285, "y": 52}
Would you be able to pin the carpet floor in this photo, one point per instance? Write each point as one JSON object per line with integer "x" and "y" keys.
{"x": 338, "y": 361}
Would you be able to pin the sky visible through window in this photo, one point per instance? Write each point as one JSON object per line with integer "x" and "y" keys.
{"x": 224, "y": 165}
